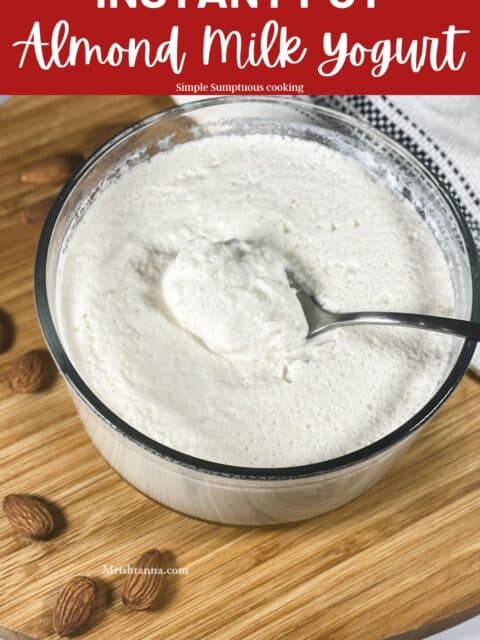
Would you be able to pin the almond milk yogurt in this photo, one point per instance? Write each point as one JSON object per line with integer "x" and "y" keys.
{"x": 175, "y": 308}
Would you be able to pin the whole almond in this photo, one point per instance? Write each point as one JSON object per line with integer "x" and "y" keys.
{"x": 5, "y": 331}
{"x": 36, "y": 213}
{"x": 53, "y": 170}
{"x": 74, "y": 606}
{"x": 28, "y": 372}
{"x": 28, "y": 515}
{"x": 141, "y": 589}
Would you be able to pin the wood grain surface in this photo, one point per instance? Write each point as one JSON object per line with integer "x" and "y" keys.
{"x": 401, "y": 557}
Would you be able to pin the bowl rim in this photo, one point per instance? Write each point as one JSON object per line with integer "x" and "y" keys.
{"x": 216, "y": 468}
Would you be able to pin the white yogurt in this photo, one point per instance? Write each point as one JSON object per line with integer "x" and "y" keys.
{"x": 236, "y": 298}
{"x": 175, "y": 307}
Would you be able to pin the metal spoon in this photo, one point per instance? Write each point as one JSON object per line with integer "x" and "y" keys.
{"x": 321, "y": 320}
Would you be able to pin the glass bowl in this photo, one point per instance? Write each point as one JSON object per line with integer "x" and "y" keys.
{"x": 206, "y": 489}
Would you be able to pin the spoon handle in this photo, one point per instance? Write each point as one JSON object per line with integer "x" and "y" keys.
{"x": 463, "y": 328}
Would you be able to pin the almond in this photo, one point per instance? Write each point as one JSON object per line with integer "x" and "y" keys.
{"x": 36, "y": 213}
{"x": 28, "y": 515}
{"x": 141, "y": 588}
{"x": 74, "y": 605}
{"x": 5, "y": 331}
{"x": 53, "y": 170}
{"x": 29, "y": 372}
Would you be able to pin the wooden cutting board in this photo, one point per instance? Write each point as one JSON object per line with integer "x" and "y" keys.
{"x": 401, "y": 557}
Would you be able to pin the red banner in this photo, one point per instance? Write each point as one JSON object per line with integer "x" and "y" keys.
{"x": 240, "y": 46}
